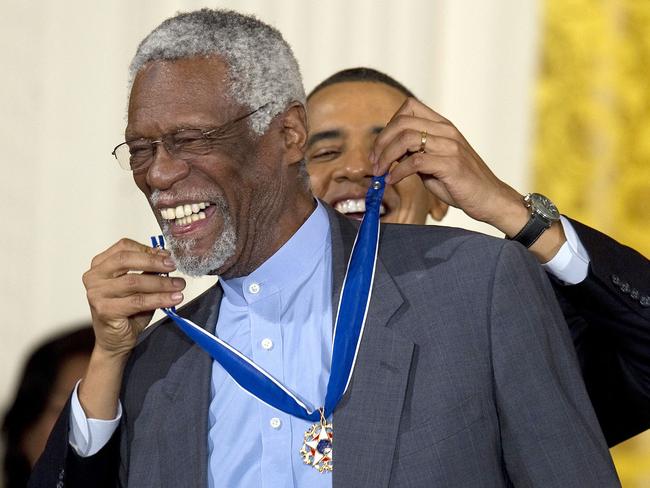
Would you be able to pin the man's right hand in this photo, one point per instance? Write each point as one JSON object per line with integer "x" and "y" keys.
{"x": 124, "y": 288}
{"x": 454, "y": 172}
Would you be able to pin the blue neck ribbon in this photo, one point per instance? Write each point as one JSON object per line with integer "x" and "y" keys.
{"x": 348, "y": 329}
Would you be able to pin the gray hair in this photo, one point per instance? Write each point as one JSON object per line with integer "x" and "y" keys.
{"x": 262, "y": 68}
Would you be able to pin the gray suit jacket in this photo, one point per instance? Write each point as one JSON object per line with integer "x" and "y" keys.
{"x": 466, "y": 376}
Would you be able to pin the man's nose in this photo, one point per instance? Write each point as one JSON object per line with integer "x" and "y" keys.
{"x": 165, "y": 170}
{"x": 355, "y": 165}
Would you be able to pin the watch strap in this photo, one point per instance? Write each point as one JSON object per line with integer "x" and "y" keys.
{"x": 534, "y": 228}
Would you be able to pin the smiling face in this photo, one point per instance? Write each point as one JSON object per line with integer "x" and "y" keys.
{"x": 227, "y": 210}
{"x": 344, "y": 120}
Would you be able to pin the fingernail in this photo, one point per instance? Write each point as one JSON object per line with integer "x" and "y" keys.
{"x": 169, "y": 262}
{"x": 387, "y": 179}
{"x": 178, "y": 282}
{"x": 177, "y": 296}
{"x": 375, "y": 169}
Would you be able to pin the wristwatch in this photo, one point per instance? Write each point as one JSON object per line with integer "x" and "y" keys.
{"x": 542, "y": 215}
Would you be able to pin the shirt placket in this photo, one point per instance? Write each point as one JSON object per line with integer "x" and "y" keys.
{"x": 268, "y": 352}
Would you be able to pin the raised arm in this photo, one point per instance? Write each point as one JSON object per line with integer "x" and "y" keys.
{"x": 604, "y": 294}
{"x": 124, "y": 287}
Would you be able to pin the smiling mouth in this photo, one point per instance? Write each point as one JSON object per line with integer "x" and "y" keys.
{"x": 185, "y": 214}
{"x": 355, "y": 208}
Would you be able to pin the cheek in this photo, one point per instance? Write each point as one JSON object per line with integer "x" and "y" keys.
{"x": 411, "y": 190}
{"x": 319, "y": 177}
{"x": 141, "y": 182}
{"x": 413, "y": 198}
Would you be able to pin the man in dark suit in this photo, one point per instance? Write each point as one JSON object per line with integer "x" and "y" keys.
{"x": 464, "y": 373}
{"x": 603, "y": 286}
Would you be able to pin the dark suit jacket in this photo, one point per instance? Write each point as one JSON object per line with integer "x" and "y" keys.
{"x": 466, "y": 376}
{"x": 609, "y": 317}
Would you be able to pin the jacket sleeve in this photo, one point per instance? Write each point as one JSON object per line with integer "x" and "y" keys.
{"x": 609, "y": 317}
{"x": 550, "y": 435}
{"x": 59, "y": 466}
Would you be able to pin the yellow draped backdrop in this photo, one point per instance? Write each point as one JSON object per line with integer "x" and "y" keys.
{"x": 592, "y": 148}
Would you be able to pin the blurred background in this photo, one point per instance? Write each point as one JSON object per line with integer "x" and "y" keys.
{"x": 552, "y": 93}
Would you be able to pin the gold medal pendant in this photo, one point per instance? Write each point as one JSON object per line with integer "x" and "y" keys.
{"x": 317, "y": 449}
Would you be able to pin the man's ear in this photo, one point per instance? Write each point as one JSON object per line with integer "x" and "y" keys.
{"x": 437, "y": 208}
{"x": 294, "y": 131}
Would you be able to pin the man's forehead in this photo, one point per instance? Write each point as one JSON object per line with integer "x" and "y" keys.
{"x": 182, "y": 75}
{"x": 168, "y": 95}
{"x": 353, "y": 106}
{"x": 342, "y": 132}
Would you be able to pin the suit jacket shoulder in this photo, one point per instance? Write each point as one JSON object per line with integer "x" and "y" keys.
{"x": 464, "y": 345}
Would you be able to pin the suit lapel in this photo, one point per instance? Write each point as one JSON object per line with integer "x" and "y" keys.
{"x": 367, "y": 419}
{"x": 185, "y": 401}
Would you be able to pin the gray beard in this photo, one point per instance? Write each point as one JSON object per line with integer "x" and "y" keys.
{"x": 222, "y": 249}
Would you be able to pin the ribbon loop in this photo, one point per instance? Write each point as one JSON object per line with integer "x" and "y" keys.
{"x": 348, "y": 330}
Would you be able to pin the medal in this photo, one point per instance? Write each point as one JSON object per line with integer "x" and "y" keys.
{"x": 350, "y": 321}
{"x": 317, "y": 449}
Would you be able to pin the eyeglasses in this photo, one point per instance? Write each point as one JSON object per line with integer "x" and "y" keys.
{"x": 138, "y": 154}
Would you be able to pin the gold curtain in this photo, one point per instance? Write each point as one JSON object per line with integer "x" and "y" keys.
{"x": 592, "y": 154}
{"x": 592, "y": 147}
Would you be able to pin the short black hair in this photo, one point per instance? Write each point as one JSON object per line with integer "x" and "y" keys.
{"x": 361, "y": 74}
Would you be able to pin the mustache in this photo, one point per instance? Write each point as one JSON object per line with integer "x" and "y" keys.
{"x": 214, "y": 196}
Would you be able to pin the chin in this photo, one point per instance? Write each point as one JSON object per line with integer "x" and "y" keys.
{"x": 194, "y": 259}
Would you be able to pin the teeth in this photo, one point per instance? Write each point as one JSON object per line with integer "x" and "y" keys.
{"x": 189, "y": 219}
{"x": 183, "y": 214}
{"x": 357, "y": 205}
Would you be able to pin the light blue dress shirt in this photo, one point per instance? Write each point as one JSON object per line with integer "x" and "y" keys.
{"x": 280, "y": 316}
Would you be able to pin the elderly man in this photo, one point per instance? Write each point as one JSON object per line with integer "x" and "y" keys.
{"x": 604, "y": 286}
{"x": 459, "y": 372}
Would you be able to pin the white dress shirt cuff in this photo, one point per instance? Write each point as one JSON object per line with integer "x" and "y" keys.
{"x": 571, "y": 263}
{"x": 88, "y": 436}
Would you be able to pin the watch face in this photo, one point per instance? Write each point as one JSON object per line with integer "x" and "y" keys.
{"x": 544, "y": 207}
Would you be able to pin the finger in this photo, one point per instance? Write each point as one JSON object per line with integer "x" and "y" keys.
{"x": 407, "y": 133}
{"x": 410, "y": 141}
{"x": 132, "y": 283}
{"x": 124, "y": 307}
{"x": 423, "y": 164}
{"x": 401, "y": 123}
{"x": 126, "y": 244}
{"x": 415, "y": 115}
{"x": 123, "y": 261}
{"x": 414, "y": 107}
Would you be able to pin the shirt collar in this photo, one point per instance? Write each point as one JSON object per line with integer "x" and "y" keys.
{"x": 290, "y": 264}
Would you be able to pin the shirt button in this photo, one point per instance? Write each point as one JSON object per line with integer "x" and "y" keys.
{"x": 275, "y": 423}
{"x": 254, "y": 288}
{"x": 267, "y": 343}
